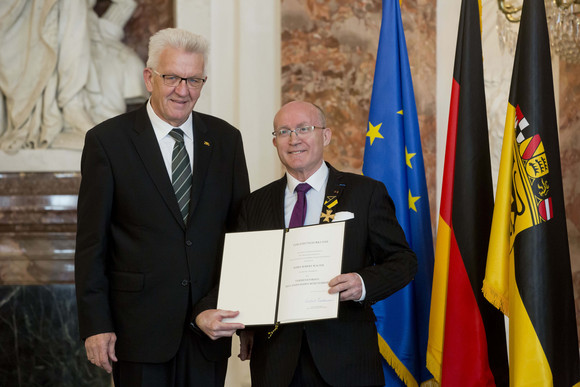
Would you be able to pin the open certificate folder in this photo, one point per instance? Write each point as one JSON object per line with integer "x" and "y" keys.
{"x": 281, "y": 275}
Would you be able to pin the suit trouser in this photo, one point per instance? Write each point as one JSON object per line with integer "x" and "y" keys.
{"x": 306, "y": 374}
{"x": 187, "y": 369}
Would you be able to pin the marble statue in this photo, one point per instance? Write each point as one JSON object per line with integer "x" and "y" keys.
{"x": 63, "y": 69}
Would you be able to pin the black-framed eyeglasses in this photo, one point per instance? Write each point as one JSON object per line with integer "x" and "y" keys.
{"x": 303, "y": 131}
{"x": 174, "y": 80}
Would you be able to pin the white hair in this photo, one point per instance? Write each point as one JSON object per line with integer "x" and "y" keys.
{"x": 176, "y": 38}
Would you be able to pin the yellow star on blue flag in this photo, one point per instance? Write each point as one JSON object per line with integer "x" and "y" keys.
{"x": 374, "y": 132}
{"x": 412, "y": 200}
{"x": 408, "y": 157}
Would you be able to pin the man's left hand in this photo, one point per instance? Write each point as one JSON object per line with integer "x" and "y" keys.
{"x": 246, "y": 344}
{"x": 349, "y": 286}
{"x": 210, "y": 322}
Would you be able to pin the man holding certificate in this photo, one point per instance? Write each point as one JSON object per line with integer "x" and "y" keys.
{"x": 376, "y": 260}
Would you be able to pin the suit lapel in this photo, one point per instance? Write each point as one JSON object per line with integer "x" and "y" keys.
{"x": 203, "y": 145}
{"x": 278, "y": 191}
{"x": 147, "y": 147}
{"x": 334, "y": 190}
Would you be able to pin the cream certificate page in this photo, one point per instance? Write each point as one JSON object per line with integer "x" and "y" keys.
{"x": 250, "y": 276}
{"x": 312, "y": 257}
{"x": 281, "y": 275}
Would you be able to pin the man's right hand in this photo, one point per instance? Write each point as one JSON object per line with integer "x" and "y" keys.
{"x": 101, "y": 350}
{"x": 210, "y": 322}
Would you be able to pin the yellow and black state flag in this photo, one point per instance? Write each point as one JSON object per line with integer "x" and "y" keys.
{"x": 528, "y": 273}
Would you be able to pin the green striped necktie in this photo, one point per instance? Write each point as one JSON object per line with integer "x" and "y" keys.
{"x": 181, "y": 173}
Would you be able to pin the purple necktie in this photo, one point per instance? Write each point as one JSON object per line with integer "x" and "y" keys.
{"x": 299, "y": 211}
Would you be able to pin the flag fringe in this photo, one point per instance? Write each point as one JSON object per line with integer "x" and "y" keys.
{"x": 495, "y": 298}
{"x": 399, "y": 368}
{"x": 434, "y": 367}
{"x": 430, "y": 383}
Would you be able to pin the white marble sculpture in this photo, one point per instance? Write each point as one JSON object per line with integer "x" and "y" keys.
{"x": 62, "y": 70}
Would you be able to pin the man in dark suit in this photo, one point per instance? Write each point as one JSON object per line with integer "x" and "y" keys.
{"x": 376, "y": 261}
{"x": 160, "y": 187}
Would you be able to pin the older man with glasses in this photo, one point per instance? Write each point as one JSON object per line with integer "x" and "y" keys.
{"x": 160, "y": 187}
{"x": 376, "y": 261}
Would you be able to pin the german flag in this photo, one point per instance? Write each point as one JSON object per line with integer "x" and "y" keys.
{"x": 467, "y": 345}
{"x": 528, "y": 273}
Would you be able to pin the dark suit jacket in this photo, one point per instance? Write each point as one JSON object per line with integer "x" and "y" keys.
{"x": 345, "y": 350}
{"x": 139, "y": 268}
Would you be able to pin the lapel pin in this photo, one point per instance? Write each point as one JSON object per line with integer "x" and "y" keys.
{"x": 206, "y": 143}
{"x": 331, "y": 201}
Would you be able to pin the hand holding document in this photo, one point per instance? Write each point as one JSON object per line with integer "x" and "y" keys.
{"x": 281, "y": 275}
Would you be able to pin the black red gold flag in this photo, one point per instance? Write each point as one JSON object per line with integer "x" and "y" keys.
{"x": 467, "y": 345}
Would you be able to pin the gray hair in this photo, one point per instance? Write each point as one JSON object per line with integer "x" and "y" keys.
{"x": 176, "y": 38}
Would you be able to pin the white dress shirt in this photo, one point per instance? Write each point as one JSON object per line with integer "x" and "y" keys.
{"x": 314, "y": 202}
{"x": 166, "y": 142}
{"x": 314, "y": 197}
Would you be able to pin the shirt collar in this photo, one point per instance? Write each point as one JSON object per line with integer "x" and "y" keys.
{"x": 317, "y": 181}
{"x": 162, "y": 128}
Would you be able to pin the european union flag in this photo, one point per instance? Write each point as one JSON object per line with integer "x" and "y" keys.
{"x": 394, "y": 156}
